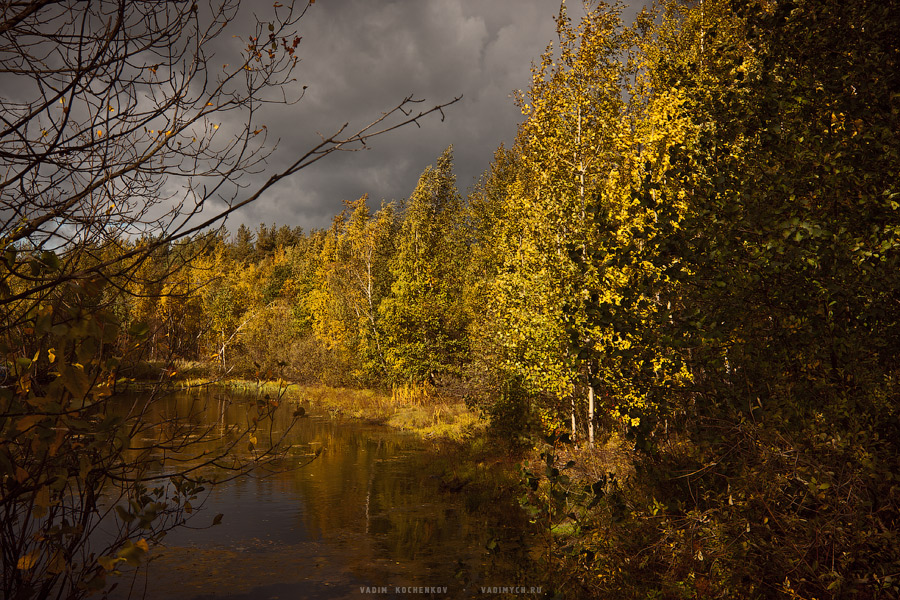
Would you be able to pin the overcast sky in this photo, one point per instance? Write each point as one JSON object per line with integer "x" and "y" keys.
{"x": 360, "y": 57}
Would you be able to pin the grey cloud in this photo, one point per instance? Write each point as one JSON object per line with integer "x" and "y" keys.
{"x": 360, "y": 57}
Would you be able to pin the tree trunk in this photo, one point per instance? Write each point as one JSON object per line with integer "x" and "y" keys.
{"x": 590, "y": 415}
{"x": 573, "y": 417}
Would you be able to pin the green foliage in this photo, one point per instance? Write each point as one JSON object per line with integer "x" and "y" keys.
{"x": 242, "y": 248}
{"x": 787, "y": 247}
{"x": 423, "y": 317}
{"x": 564, "y": 508}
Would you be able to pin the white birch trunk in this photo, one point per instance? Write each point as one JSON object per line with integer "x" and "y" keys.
{"x": 591, "y": 416}
{"x": 573, "y": 417}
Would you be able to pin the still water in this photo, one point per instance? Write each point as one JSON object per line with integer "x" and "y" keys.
{"x": 369, "y": 518}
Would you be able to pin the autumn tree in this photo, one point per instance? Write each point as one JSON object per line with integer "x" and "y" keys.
{"x": 353, "y": 279}
{"x": 115, "y": 126}
{"x": 569, "y": 169}
{"x": 746, "y": 270}
{"x": 423, "y": 317}
{"x": 788, "y": 247}
{"x": 369, "y": 247}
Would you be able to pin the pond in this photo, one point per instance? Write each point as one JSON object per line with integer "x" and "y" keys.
{"x": 368, "y": 518}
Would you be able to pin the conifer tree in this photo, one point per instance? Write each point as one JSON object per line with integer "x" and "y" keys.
{"x": 423, "y": 318}
{"x": 243, "y": 248}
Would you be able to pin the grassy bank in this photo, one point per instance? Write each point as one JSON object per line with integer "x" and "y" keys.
{"x": 418, "y": 409}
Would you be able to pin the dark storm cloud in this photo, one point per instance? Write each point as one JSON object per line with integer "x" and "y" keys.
{"x": 361, "y": 57}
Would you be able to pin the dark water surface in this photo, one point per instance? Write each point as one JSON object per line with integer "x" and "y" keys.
{"x": 368, "y": 514}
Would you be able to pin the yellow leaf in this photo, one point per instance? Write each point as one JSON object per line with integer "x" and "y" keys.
{"x": 57, "y": 442}
{"x": 253, "y": 439}
{"x": 57, "y": 563}
{"x": 132, "y": 553}
{"x": 27, "y": 422}
{"x": 38, "y": 401}
{"x": 42, "y": 498}
{"x": 51, "y": 354}
{"x": 28, "y": 561}
{"x": 21, "y": 475}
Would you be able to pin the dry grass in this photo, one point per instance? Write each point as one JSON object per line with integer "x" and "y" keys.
{"x": 613, "y": 455}
{"x": 419, "y": 409}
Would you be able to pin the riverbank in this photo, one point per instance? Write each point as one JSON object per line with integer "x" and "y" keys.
{"x": 420, "y": 409}
{"x": 465, "y": 458}
{"x": 377, "y": 507}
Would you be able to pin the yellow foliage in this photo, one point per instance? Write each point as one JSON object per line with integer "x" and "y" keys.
{"x": 28, "y": 561}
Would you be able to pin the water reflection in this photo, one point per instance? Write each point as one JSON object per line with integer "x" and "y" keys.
{"x": 367, "y": 513}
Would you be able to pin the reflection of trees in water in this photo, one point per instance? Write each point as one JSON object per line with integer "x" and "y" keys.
{"x": 207, "y": 421}
{"x": 371, "y": 497}
{"x": 369, "y": 490}
{"x": 373, "y": 492}
{"x": 375, "y": 496}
